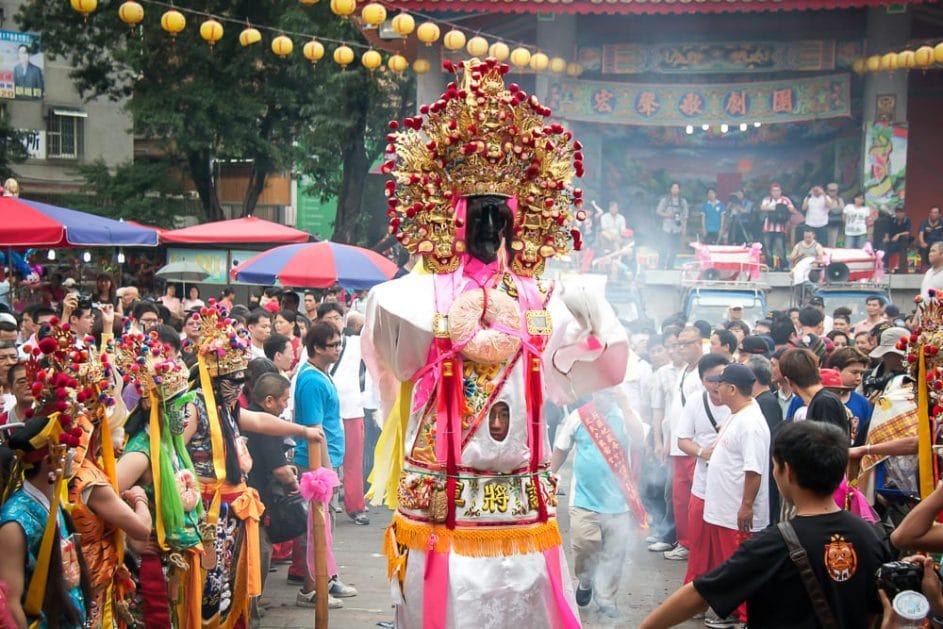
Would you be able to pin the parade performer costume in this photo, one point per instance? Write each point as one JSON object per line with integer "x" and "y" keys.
{"x": 482, "y": 193}
{"x": 55, "y": 589}
{"x": 169, "y": 582}
{"x": 76, "y": 380}
{"x": 230, "y": 561}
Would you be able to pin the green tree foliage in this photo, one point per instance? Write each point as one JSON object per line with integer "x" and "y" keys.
{"x": 12, "y": 150}
{"x": 229, "y": 102}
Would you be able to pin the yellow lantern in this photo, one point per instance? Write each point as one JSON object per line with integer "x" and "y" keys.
{"x": 249, "y": 36}
{"x": 427, "y": 32}
{"x": 84, "y": 6}
{"x": 539, "y": 62}
{"x": 858, "y": 66}
{"x": 371, "y": 60}
{"x": 905, "y": 59}
{"x": 477, "y": 46}
{"x": 313, "y": 51}
{"x": 520, "y": 57}
{"x": 499, "y": 50}
{"x": 373, "y": 14}
{"x": 938, "y": 53}
{"x": 397, "y": 63}
{"x": 173, "y": 22}
{"x": 923, "y": 57}
{"x": 282, "y": 46}
{"x": 131, "y": 13}
{"x": 343, "y": 56}
{"x": 454, "y": 40}
{"x": 211, "y": 31}
{"x": 421, "y": 66}
{"x": 574, "y": 69}
{"x": 403, "y": 24}
{"x": 558, "y": 65}
{"x": 873, "y": 63}
{"x": 889, "y": 61}
{"x": 343, "y": 8}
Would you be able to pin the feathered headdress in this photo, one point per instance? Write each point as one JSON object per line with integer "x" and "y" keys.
{"x": 222, "y": 347}
{"x": 482, "y": 138}
{"x": 143, "y": 359}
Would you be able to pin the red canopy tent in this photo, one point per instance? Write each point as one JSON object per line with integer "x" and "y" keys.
{"x": 245, "y": 230}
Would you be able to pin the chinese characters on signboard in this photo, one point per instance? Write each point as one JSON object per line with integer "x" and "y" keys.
{"x": 791, "y": 100}
{"x": 34, "y": 140}
{"x": 21, "y": 66}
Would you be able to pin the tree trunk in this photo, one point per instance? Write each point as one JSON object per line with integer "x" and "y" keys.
{"x": 257, "y": 178}
{"x": 201, "y": 172}
{"x": 348, "y": 224}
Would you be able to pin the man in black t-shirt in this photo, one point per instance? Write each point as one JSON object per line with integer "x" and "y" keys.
{"x": 800, "y": 369}
{"x": 809, "y": 460}
{"x": 270, "y": 465}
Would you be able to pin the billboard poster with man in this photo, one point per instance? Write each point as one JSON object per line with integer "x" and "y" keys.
{"x": 21, "y": 66}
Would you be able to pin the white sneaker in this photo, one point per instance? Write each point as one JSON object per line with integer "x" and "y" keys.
{"x": 341, "y": 589}
{"x": 651, "y": 539}
{"x": 678, "y": 553}
{"x": 660, "y": 547}
{"x": 307, "y": 599}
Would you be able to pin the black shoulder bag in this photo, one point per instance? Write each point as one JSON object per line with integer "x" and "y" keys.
{"x": 710, "y": 416}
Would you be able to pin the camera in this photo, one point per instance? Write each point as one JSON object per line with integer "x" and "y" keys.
{"x": 871, "y": 384}
{"x": 895, "y": 577}
{"x": 677, "y": 219}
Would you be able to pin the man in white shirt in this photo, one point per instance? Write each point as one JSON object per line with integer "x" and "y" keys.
{"x": 259, "y": 324}
{"x": 611, "y": 226}
{"x": 687, "y": 386}
{"x": 737, "y": 493}
{"x": 701, "y": 420}
{"x": 934, "y": 276}
{"x": 662, "y": 390}
{"x": 816, "y": 209}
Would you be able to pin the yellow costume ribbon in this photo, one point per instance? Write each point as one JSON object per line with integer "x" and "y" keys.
{"x": 153, "y": 436}
{"x": 388, "y": 454}
{"x": 249, "y": 508}
{"x": 924, "y": 437}
{"x": 216, "y": 436}
{"x": 33, "y": 604}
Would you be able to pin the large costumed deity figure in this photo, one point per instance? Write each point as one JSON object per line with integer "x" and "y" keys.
{"x": 156, "y": 458}
{"x": 482, "y": 192}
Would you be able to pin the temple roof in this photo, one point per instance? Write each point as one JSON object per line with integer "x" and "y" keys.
{"x": 629, "y": 7}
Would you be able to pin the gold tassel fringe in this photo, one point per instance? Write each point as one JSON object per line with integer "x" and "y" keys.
{"x": 477, "y": 542}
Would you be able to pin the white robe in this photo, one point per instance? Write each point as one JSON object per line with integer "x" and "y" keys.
{"x": 503, "y": 591}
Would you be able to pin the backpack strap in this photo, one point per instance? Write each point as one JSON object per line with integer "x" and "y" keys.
{"x": 799, "y": 557}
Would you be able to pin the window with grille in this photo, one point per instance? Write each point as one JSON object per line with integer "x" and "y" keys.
{"x": 64, "y": 136}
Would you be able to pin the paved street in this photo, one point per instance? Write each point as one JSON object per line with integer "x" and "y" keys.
{"x": 647, "y": 579}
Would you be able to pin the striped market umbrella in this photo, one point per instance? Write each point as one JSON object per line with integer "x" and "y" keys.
{"x": 316, "y": 265}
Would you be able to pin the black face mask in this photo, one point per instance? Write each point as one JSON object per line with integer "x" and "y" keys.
{"x": 489, "y": 220}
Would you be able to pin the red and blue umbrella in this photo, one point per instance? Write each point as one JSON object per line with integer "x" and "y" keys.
{"x": 316, "y": 265}
{"x": 32, "y": 224}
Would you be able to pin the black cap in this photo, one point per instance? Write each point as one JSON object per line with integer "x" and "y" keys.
{"x": 754, "y": 345}
{"x": 816, "y": 301}
{"x": 736, "y": 374}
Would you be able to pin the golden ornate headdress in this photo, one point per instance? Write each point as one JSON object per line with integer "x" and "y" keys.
{"x": 925, "y": 365}
{"x": 223, "y": 347}
{"x": 482, "y": 138}
{"x": 144, "y": 360}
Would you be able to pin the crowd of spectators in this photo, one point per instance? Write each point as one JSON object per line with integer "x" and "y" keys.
{"x": 788, "y": 228}
{"x": 807, "y": 418}
{"x": 296, "y": 337}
